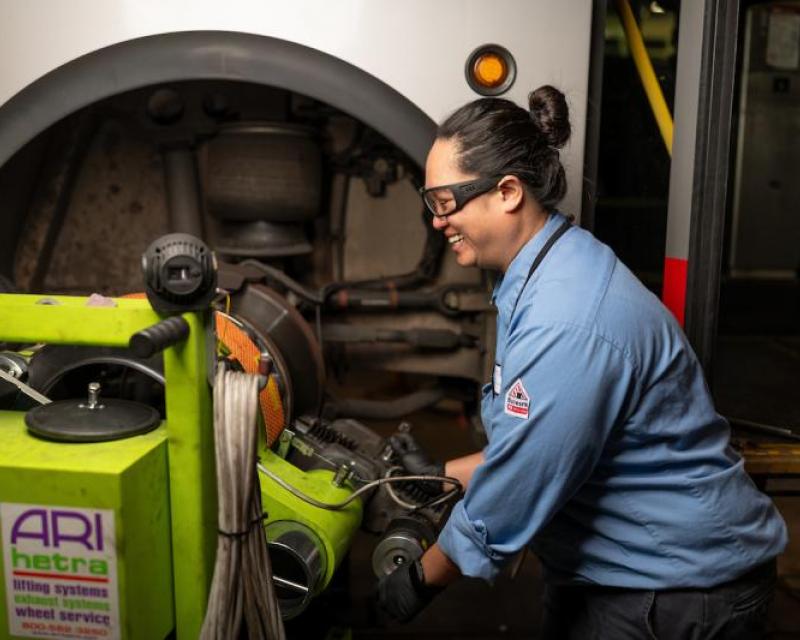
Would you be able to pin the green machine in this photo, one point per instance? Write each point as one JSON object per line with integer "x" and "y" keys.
{"x": 307, "y": 543}
{"x": 110, "y": 539}
{"x": 111, "y": 530}
{"x": 118, "y": 539}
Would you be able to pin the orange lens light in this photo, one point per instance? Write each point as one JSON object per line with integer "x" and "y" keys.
{"x": 490, "y": 70}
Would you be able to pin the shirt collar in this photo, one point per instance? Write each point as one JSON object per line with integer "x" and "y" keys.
{"x": 510, "y": 284}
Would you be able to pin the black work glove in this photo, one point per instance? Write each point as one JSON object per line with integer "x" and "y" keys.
{"x": 403, "y": 593}
{"x": 416, "y": 461}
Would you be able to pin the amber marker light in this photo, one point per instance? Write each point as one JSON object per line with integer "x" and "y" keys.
{"x": 490, "y": 70}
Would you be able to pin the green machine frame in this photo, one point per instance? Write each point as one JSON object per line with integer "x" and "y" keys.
{"x": 190, "y": 438}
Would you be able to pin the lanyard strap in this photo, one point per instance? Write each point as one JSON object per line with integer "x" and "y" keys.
{"x": 538, "y": 259}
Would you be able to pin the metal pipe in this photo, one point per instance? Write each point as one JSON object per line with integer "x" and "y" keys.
{"x": 443, "y": 339}
{"x": 79, "y": 141}
{"x": 593, "y": 116}
{"x": 183, "y": 190}
{"x": 340, "y": 188}
{"x": 298, "y": 564}
{"x": 709, "y": 188}
{"x": 390, "y": 409}
{"x": 645, "y": 68}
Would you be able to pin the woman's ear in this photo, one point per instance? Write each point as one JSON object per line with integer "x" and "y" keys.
{"x": 512, "y": 193}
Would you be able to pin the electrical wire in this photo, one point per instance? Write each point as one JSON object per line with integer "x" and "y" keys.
{"x": 338, "y": 506}
{"x": 290, "y": 283}
{"x": 445, "y": 497}
{"x": 436, "y": 500}
{"x": 242, "y": 598}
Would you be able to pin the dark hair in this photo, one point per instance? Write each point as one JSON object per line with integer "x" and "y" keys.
{"x": 496, "y": 137}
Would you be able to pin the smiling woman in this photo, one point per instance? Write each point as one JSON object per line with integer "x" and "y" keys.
{"x": 496, "y": 137}
{"x": 493, "y": 148}
{"x": 605, "y": 454}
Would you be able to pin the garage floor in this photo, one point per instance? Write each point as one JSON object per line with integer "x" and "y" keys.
{"x": 756, "y": 378}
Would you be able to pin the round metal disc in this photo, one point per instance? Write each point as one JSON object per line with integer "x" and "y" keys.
{"x": 394, "y": 550}
{"x": 74, "y": 421}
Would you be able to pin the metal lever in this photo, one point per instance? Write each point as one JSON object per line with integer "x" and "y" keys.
{"x": 26, "y": 389}
{"x": 294, "y": 586}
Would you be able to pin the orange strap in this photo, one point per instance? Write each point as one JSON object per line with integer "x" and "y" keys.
{"x": 244, "y": 350}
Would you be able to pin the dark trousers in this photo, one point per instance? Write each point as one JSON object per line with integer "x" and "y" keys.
{"x": 735, "y": 610}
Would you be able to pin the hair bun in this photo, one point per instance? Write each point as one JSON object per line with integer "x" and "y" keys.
{"x": 549, "y": 112}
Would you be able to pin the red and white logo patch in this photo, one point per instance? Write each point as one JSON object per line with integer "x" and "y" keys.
{"x": 517, "y": 400}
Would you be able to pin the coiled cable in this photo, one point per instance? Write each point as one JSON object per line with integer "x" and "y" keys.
{"x": 242, "y": 591}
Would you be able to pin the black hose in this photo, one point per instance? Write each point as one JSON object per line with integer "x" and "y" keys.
{"x": 426, "y": 270}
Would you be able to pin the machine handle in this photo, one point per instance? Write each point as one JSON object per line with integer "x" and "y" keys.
{"x": 158, "y": 337}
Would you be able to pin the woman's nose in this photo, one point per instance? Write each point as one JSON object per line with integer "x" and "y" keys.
{"x": 439, "y": 222}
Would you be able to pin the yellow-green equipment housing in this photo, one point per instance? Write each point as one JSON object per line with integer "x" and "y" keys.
{"x": 153, "y": 496}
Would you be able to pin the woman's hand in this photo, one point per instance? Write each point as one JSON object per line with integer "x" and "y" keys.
{"x": 404, "y": 593}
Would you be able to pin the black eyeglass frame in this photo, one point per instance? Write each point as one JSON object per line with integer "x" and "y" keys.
{"x": 462, "y": 192}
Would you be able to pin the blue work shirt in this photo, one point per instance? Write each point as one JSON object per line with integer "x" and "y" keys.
{"x": 605, "y": 452}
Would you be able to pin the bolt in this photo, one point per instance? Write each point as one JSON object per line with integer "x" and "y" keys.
{"x": 343, "y": 474}
{"x": 265, "y": 364}
{"x": 380, "y": 166}
{"x": 94, "y": 395}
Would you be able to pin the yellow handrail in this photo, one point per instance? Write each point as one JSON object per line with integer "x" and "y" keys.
{"x": 645, "y": 68}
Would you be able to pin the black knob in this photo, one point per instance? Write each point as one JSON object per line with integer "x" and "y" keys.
{"x": 180, "y": 273}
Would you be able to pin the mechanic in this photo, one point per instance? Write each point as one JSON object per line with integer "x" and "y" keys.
{"x": 605, "y": 453}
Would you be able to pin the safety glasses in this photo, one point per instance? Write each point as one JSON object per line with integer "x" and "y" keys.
{"x": 449, "y": 198}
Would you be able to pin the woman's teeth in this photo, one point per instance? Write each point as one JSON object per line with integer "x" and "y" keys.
{"x": 456, "y": 238}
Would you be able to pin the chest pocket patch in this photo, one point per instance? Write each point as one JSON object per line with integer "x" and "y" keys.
{"x": 517, "y": 401}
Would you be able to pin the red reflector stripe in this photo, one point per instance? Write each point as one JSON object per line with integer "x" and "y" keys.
{"x": 59, "y": 576}
{"x": 674, "y": 293}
